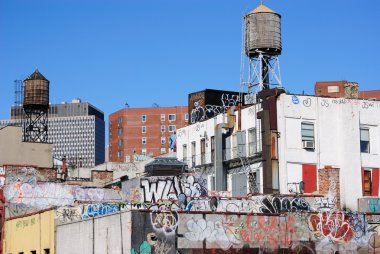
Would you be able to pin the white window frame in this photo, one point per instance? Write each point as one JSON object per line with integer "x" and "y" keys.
{"x": 143, "y": 140}
{"x": 307, "y": 137}
{"x": 163, "y": 128}
{"x": 143, "y": 118}
{"x": 143, "y": 151}
{"x": 163, "y": 150}
{"x": 163, "y": 140}
{"x": 172, "y": 120}
{"x": 143, "y": 129}
{"x": 170, "y": 128}
{"x": 187, "y": 117}
{"x": 162, "y": 117}
{"x": 363, "y": 139}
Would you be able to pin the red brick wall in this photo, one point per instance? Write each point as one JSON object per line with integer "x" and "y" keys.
{"x": 329, "y": 183}
{"x": 321, "y": 88}
{"x": 132, "y": 134}
{"x": 101, "y": 177}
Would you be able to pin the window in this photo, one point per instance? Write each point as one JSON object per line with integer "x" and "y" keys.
{"x": 171, "y": 117}
{"x": 171, "y": 128}
{"x": 203, "y": 151}
{"x": 307, "y": 131}
{"x": 162, "y": 128}
{"x": 143, "y": 129}
{"x": 33, "y": 252}
{"x": 163, "y": 140}
{"x": 193, "y": 146}
{"x": 252, "y": 148}
{"x": 143, "y": 151}
{"x": 163, "y": 150}
{"x": 120, "y": 142}
{"x": 47, "y": 251}
{"x": 120, "y": 119}
{"x": 212, "y": 149}
{"x": 120, "y": 154}
{"x": 184, "y": 153}
{"x": 143, "y": 118}
{"x": 367, "y": 188}
{"x": 333, "y": 89}
{"x": 186, "y": 117}
{"x": 143, "y": 141}
{"x": 364, "y": 140}
{"x": 120, "y": 131}
{"x": 162, "y": 117}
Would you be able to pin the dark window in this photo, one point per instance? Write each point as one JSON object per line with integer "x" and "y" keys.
{"x": 364, "y": 140}
{"x": 184, "y": 153}
{"x": 47, "y": 251}
{"x": 193, "y": 154}
{"x": 203, "y": 151}
{"x": 212, "y": 149}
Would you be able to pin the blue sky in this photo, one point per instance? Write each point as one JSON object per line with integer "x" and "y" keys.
{"x": 144, "y": 52}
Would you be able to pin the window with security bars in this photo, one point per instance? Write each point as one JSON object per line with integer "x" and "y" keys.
{"x": 307, "y": 131}
{"x": 364, "y": 140}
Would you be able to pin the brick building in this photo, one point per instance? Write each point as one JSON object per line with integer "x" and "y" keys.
{"x": 345, "y": 89}
{"x": 135, "y": 133}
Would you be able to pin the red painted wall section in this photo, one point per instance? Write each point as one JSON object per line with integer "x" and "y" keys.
{"x": 309, "y": 177}
{"x": 363, "y": 181}
{"x": 375, "y": 181}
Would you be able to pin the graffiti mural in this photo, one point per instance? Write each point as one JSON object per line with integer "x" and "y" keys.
{"x": 94, "y": 210}
{"x": 169, "y": 188}
{"x": 45, "y": 195}
{"x": 206, "y": 106}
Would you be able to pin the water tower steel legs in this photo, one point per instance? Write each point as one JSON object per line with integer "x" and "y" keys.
{"x": 263, "y": 71}
{"x": 35, "y": 125}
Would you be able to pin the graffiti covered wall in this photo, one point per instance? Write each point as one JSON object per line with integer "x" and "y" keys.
{"x": 207, "y": 104}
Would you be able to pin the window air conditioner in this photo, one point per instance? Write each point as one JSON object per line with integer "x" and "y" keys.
{"x": 308, "y": 144}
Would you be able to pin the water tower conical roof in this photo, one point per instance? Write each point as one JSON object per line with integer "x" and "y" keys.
{"x": 262, "y": 8}
{"x": 36, "y": 75}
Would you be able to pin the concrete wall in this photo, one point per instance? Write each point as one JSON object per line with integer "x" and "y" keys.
{"x": 108, "y": 234}
{"x": 337, "y": 125}
{"x": 30, "y": 233}
{"x": 14, "y": 151}
{"x": 171, "y": 232}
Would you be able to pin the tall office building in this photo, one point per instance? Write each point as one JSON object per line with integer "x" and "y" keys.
{"x": 76, "y": 131}
{"x": 135, "y": 133}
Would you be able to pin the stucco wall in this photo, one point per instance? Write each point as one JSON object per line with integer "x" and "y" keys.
{"x": 14, "y": 151}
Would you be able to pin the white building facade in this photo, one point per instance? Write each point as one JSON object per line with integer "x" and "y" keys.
{"x": 241, "y": 151}
{"x": 332, "y": 133}
{"x": 327, "y": 146}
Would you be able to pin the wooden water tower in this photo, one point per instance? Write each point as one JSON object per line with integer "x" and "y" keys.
{"x": 36, "y": 107}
